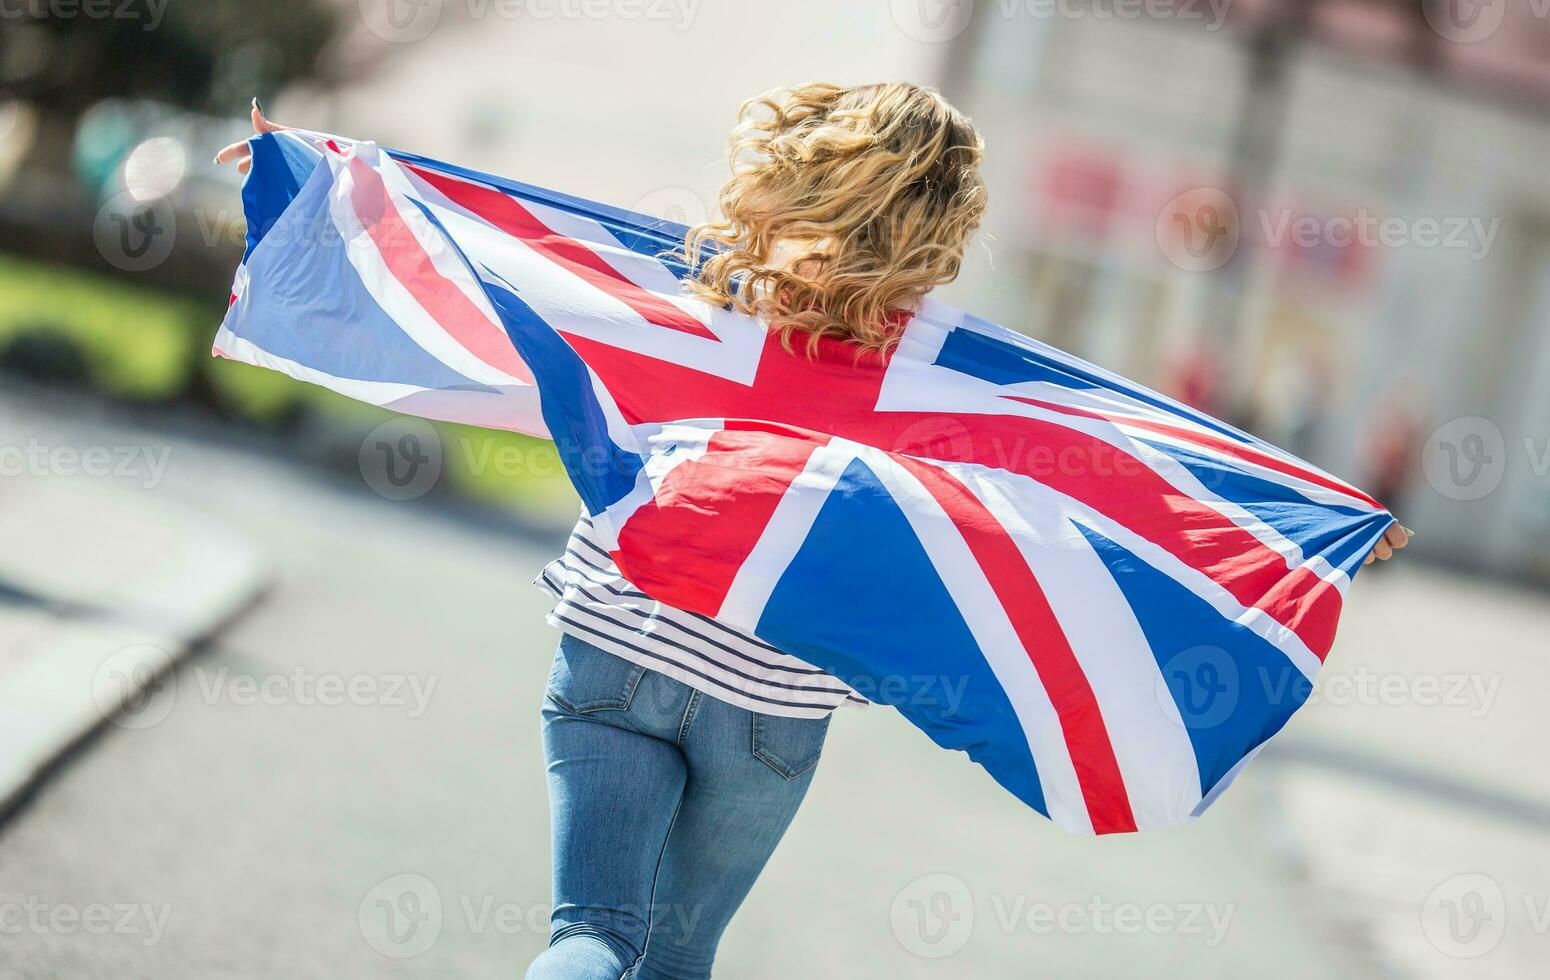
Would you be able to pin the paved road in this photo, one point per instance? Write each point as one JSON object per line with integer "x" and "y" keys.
{"x": 235, "y": 826}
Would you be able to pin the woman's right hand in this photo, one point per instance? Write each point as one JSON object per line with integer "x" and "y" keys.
{"x": 239, "y": 152}
{"x": 1395, "y": 538}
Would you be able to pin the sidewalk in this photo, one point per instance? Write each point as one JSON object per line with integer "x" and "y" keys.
{"x": 1414, "y": 795}
{"x": 102, "y": 589}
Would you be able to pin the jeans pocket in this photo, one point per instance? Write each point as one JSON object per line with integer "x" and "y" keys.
{"x": 586, "y": 678}
{"x": 790, "y": 746}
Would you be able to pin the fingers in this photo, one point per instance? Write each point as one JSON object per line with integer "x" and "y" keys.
{"x": 260, "y": 123}
{"x": 236, "y": 151}
{"x": 240, "y": 151}
{"x": 1395, "y": 538}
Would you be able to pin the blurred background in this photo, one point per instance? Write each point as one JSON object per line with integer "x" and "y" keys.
{"x": 270, "y": 664}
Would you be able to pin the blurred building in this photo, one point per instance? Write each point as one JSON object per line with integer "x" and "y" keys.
{"x": 628, "y": 104}
{"x": 1361, "y": 253}
{"x": 1155, "y": 167}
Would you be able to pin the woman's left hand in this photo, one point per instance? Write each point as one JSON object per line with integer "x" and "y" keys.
{"x": 1395, "y": 538}
{"x": 240, "y": 151}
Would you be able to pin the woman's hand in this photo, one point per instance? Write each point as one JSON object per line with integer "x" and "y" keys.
{"x": 239, "y": 151}
{"x": 1395, "y": 538}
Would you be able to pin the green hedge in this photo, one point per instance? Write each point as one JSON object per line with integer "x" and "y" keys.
{"x": 145, "y": 345}
{"x": 134, "y": 340}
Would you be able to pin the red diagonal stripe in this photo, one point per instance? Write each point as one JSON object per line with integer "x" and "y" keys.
{"x": 1125, "y": 489}
{"x": 507, "y": 213}
{"x": 1044, "y": 641}
{"x": 708, "y": 514}
{"x": 1238, "y": 451}
{"x": 404, "y": 257}
{"x": 1309, "y": 606}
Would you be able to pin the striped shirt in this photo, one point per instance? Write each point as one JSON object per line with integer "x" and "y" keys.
{"x": 594, "y": 602}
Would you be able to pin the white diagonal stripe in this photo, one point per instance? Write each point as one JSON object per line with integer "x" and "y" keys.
{"x": 1151, "y": 743}
{"x": 785, "y": 534}
{"x": 995, "y": 635}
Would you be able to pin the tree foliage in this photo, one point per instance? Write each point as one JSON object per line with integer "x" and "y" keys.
{"x": 66, "y": 55}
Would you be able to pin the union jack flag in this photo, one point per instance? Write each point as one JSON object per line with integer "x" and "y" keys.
{"x": 1133, "y": 595}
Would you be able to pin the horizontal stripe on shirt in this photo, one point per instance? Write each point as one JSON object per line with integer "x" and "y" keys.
{"x": 596, "y": 603}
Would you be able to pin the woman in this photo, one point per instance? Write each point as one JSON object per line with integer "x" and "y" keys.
{"x": 679, "y": 749}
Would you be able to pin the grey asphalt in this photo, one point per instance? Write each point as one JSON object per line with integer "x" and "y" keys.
{"x": 237, "y": 825}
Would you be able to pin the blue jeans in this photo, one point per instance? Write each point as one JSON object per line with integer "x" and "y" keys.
{"x": 665, "y": 805}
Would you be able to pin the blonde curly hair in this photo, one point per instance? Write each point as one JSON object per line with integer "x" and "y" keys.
{"x": 844, "y": 208}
